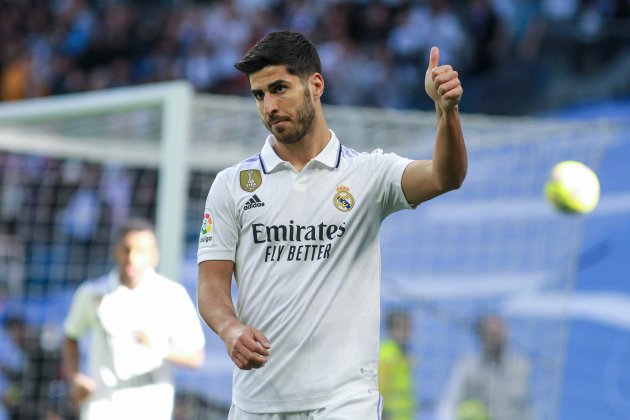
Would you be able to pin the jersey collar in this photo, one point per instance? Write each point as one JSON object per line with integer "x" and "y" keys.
{"x": 330, "y": 156}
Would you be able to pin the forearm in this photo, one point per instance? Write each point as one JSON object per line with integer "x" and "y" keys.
{"x": 450, "y": 161}
{"x": 186, "y": 358}
{"x": 247, "y": 347}
{"x": 81, "y": 385}
{"x": 70, "y": 357}
{"x": 214, "y": 296}
{"x": 216, "y": 309}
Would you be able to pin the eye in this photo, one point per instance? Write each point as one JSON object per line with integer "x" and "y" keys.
{"x": 258, "y": 96}
{"x": 280, "y": 88}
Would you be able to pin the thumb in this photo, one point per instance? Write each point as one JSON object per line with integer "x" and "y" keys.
{"x": 260, "y": 337}
{"x": 434, "y": 58}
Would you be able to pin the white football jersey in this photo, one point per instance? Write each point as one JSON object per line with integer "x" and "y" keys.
{"x": 307, "y": 266}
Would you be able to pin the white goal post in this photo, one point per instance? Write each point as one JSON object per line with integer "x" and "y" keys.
{"x": 171, "y": 151}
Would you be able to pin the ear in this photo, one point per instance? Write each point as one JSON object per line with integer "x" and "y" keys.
{"x": 317, "y": 85}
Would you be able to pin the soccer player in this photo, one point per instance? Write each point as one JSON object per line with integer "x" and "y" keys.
{"x": 138, "y": 322}
{"x": 297, "y": 225}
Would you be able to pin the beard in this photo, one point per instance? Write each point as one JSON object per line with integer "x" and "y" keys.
{"x": 302, "y": 123}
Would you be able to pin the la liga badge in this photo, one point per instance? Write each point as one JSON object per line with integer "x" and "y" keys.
{"x": 205, "y": 235}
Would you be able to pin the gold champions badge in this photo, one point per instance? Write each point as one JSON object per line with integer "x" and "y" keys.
{"x": 250, "y": 179}
{"x": 343, "y": 200}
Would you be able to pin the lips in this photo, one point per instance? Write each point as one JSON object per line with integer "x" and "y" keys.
{"x": 276, "y": 122}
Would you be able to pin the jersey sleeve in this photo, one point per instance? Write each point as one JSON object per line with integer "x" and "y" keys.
{"x": 390, "y": 168}
{"x": 80, "y": 313}
{"x": 219, "y": 229}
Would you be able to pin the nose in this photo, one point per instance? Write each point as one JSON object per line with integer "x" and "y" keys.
{"x": 270, "y": 105}
{"x": 136, "y": 257}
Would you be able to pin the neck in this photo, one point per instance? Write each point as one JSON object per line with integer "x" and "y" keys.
{"x": 494, "y": 356}
{"x": 302, "y": 151}
{"x": 131, "y": 282}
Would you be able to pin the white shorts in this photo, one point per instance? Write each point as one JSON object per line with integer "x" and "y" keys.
{"x": 364, "y": 406}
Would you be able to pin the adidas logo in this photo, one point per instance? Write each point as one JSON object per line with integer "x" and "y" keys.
{"x": 253, "y": 202}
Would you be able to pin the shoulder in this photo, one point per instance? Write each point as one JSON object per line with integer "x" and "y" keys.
{"x": 95, "y": 286}
{"x": 233, "y": 174}
{"x": 350, "y": 157}
{"x": 169, "y": 287}
{"x": 377, "y": 163}
{"x": 252, "y": 162}
{"x": 91, "y": 290}
{"x": 351, "y": 153}
{"x": 376, "y": 155}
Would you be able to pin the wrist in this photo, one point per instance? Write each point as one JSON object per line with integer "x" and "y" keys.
{"x": 446, "y": 110}
{"x": 80, "y": 379}
{"x": 226, "y": 329}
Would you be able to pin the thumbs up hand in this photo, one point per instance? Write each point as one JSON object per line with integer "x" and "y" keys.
{"x": 442, "y": 83}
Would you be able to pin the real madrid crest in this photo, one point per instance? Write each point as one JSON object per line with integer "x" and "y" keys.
{"x": 251, "y": 179}
{"x": 343, "y": 200}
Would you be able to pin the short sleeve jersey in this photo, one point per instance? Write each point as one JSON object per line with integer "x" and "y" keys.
{"x": 307, "y": 266}
{"x": 113, "y": 315}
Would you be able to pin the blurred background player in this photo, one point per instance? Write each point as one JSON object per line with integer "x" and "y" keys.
{"x": 491, "y": 385}
{"x": 138, "y": 321}
{"x": 395, "y": 369}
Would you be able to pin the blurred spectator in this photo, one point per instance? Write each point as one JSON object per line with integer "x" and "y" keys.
{"x": 31, "y": 363}
{"x": 42, "y": 186}
{"x": 83, "y": 220}
{"x": 395, "y": 373}
{"x": 80, "y": 216}
{"x": 16, "y": 74}
{"x": 55, "y": 220}
{"x": 55, "y": 47}
{"x": 491, "y": 385}
{"x": 491, "y": 45}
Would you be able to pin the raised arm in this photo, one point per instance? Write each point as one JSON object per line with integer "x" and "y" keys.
{"x": 247, "y": 347}
{"x": 425, "y": 179}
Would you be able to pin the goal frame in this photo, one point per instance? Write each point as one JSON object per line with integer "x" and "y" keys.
{"x": 175, "y": 100}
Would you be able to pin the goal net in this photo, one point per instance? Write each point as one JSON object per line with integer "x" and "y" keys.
{"x": 73, "y": 168}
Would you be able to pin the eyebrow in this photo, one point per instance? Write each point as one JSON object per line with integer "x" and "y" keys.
{"x": 272, "y": 85}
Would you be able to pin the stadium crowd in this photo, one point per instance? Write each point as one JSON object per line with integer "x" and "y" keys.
{"x": 373, "y": 51}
